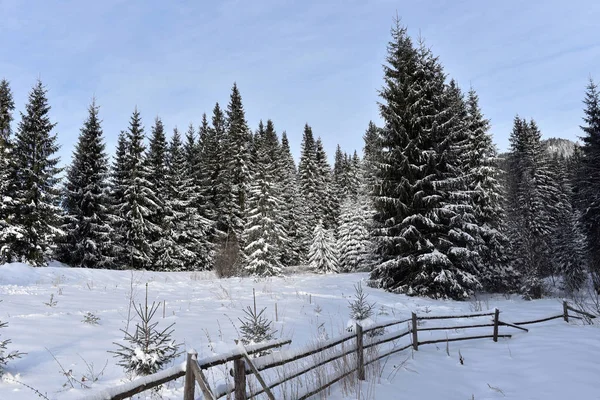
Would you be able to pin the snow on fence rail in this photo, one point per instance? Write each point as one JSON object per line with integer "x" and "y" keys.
{"x": 327, "y": 351}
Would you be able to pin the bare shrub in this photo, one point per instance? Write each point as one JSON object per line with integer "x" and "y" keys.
{"x": 226, "y": 257}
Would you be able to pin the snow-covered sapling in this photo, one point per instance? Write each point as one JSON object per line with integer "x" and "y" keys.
{"x": 91, "y": 318}
{"x": 147, "y": 349}
{"x": 5, "y": 355}
{"x": 256, "y": 328}
{"x": 361, "y": 311}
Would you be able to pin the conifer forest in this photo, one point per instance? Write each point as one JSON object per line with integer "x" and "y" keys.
{"x": 428, "y": 206}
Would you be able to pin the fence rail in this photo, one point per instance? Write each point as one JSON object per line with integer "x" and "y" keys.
{"x": 353, "y": 343}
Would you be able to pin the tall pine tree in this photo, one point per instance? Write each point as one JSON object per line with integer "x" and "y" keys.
{"x": 139, "y": 200}
{"x": 8, "y": 231}
{"x": 86, "y": 203}
{"x": 37, "y": 196}
{"x": 237, "y": 149}
{"x": 588, "y": 180}
{"x": 422, "y": 214}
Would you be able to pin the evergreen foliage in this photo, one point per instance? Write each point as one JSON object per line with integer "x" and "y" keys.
{"x": 118, "y": 182}
{"x": 481, "y": 162}
{"x": 147, "y": 350}
{"x": 588, "y": 179}
{"x": 322, "y": 255}
{"x": 264, "y": 234}
{"x": 85, "y": 201}
{"x": 189, "y": 231}
{"x": 37, "y": 214}
{"x": 288, "y": 184}
{"x": 308, "y": 183}
{"x": 423, "y": 217}
{"x": 256, "y": 328}
{"x": 139, "y": 200}
{"x": 360, "y": 308}
{"x": 8, "y": 231}
{"x": 533, "y": 200}
{"x": 353, "y": 239}
{"x": 237, "y": 149}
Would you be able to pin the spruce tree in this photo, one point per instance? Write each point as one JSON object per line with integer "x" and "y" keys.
{"x": 567, "y": 240}
{"x": 307, "y": 181}
{"x": 422, "y": 213}
{"x": 264, "y": 233}
{"x": 353, "y": 239}
{"x": 532, "y": 205}
{"x": 85, "y": 202}
{"x": 218, "y": 179}
{"x": 37, "y": 196}
{"x": 161, "y": 241}
{"x": 328, "y": 207}
{"x": 8, "y": 231}
{"x": 119, "y": 175}
{"x": 423, "y": 218}
{"x": 140, "y": 201}
{"x": 287, "y": 176}
{"x": 187, "y": 231}
{"x": 237, "y": 149}
{"x": 208, "y": 153}
{"x": 322, "y": 255}
{"x": 588, "y": 179}
{"x": 481, "y": 162}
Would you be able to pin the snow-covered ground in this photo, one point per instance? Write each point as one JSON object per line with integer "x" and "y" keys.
{"x": 554, "y": 360}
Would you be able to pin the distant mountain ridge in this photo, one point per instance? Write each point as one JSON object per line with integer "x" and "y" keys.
{"x": 562, "y": 147}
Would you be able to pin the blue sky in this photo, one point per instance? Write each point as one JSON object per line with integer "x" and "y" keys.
{"x": 294, "y": 61}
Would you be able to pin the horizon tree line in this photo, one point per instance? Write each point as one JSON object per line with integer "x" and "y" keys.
{"x": 429, "y": 209}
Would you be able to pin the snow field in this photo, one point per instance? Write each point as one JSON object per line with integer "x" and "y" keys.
{"x": 553, "y": 360}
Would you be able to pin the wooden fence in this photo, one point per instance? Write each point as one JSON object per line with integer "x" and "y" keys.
{"x": 353, "y": 345}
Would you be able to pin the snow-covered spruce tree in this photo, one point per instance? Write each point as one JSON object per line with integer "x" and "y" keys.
{"x": 189, "y": 230}
{"x": 256, "y": 328}
{"x": 422, "y": 212}
{"x": 326, "y": 207}
{"x": 237, "y": 165}
{"x": 481, "y": 163}
{"x": 322, "y": 254}
{"x": 87, "y": 241}
{"x": 307, "y": 182}
{"x": 371, "y": 154}
{"x": 567, "y": 241}
{"x": 288, "y": 183}
{"x": 165, "y": 253}
{"x": 148, "y": 349}
{"x": 353, "y": 239}
{"x": 588, "y": 179}
{"x": 140, "y": 201}
{"x": 532, "y": 200}
{"x": 118, "y": 183}
{"x": 8, "y": 231}
{"x": 264, "y": 233}
{"x": 208, "y": 162}
{"x": 361, "y": 311}
{"x": 217, "y": 181}
{"x": 37, "y": 196}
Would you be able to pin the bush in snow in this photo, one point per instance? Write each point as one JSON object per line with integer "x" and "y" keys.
{"x": 5, "y": 355}
{"x": 322, "y": 255}
{"x": 148, "y": 349}
{"x": 256, "y": 328}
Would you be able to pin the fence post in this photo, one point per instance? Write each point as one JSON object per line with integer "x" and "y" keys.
{"x": 496, "y": 315}
{"x": 414, "y": 332}
{"x": 360, "y": 355}
{"x": 190, "y": 383}
{"x": 565, "y": 311}
{"x": 239, "y": 378}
